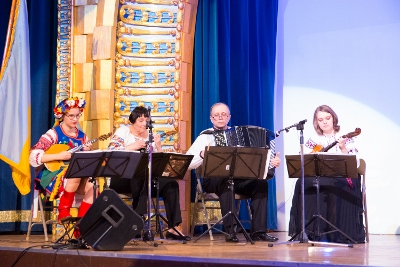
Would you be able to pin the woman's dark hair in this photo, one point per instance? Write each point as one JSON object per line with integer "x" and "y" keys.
{"x": 328, "y": 109}
{"x": 137, "y": 113}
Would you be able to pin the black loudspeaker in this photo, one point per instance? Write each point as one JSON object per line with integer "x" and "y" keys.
{"x": 110, "y": 223}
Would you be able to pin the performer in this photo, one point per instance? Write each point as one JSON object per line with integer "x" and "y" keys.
{"x": 340, "y": 198}
{"x": 53, "y": 183}
{"x": 255, "y": 189}
{"x": 135, "y": 137}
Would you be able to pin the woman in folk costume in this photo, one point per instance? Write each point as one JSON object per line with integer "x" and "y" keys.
{"x": 340, "y": 198}
{"x": 50, "y": 179}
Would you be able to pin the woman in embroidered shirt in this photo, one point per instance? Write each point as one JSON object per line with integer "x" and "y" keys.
{"x": 53, "y": 183}
{"x": 136, "y": 137}
{"x": 340, "y": 199}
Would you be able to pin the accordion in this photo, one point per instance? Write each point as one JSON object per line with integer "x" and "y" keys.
{"x": 251, "y": 136}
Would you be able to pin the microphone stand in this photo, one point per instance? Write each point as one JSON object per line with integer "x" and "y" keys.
{"x": 148, "y": 234}
{"x": 303, "y": 238}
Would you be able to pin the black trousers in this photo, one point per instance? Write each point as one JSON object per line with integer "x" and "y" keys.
{"x": 168, "y": 191}
{"x": 255, "y": 189}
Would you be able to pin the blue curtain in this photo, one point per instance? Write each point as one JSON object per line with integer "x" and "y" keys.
{"x": 234, "y": 63}
{"x": 43, "y": 37}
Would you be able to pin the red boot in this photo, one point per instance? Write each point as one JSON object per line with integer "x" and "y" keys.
{"x": 82, "y": 211}
{"x": 65, "y": 205}
{"x": 83, "y": 208}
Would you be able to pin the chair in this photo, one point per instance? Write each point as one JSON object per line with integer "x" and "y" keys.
{"x": 37, "y": 206}
{"x": 362, "y": 170}
{"x": 200, "y": 204}
{"x": 38, "y": 202}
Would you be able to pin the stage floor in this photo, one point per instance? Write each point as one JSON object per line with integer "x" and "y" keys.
{"x": 382, "y": 250}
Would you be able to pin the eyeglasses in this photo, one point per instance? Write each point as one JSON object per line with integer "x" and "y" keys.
{"x": 71, "y": 117}
{"x": 216, "y": 116}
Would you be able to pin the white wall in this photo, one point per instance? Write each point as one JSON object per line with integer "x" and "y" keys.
{"x": 346, "y": 54}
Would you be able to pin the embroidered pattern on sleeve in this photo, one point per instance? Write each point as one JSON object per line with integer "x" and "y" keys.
{"x": 310, "y": 144}
{"x": 116, "y": 143}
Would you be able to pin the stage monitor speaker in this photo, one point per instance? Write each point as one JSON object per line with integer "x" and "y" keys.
{"x": 110, "y": 223}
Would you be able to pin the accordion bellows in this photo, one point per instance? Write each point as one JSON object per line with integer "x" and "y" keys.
{"x": 251, "y": 136}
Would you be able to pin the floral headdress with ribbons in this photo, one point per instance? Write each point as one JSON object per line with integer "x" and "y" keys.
{"x": 65, "y": 105}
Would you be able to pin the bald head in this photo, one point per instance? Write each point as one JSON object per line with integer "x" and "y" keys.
{"x": 219, "y": 104}
{"x": 220, "y": 116}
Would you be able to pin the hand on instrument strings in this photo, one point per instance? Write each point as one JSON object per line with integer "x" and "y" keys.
{"x": 157, "y": 141}
{"x": 276, "y": 161}
{"x": 87, "y": 147}
{"x": 157, "y": 138}
{"x": 342, "y": 145}
{"x": 137, "y": 145}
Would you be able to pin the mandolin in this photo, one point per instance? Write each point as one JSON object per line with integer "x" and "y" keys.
{"x": 57, "y": 148}
{"x": 320, "y": 148}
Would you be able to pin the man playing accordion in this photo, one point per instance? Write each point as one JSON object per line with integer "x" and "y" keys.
{"x": 255, "y": 189}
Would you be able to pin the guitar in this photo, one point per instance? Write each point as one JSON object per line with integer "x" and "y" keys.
{"x": 57, "y": 148}
{"x": 320, "y": 148}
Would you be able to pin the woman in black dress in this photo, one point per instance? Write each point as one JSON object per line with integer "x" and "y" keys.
{"x": 340, "y": 198}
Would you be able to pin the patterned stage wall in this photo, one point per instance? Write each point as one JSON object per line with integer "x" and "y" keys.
{"x": 120, "y": 54}
{"x": 128, "y": 53}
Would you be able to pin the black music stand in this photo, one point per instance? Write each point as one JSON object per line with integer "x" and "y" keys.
{"x": 233, "y": 163}
{"x": 83, "y": 164}
{"x": 320, "y": 165}
{"x": 120, "y": 163}
{"x": 170, "y": 166}
{"x": 164, "y": 165}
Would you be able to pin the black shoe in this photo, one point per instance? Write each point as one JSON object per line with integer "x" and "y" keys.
{"x": 232, "y": 238}
{"x": 261, "y": 236}
{"x": 172, "y": 236}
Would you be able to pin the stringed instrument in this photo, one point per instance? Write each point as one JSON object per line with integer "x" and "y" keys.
{"x": 57, "y": 148}
{"x": 320, "y": 148}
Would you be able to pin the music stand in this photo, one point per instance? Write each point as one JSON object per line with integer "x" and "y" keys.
{"x": 133, "y": 165}
{"x": 83, "y": 164}
{"x": 170, "y": 166}
{"x": 321, "y": 165}
{"x": 233, "y": 163}
{"x": 120, "y": 163}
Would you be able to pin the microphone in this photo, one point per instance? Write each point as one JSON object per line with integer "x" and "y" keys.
{"x": 301, "y": 122}
{"x": 277, "y": 133}
{"x": 149, "y": 124}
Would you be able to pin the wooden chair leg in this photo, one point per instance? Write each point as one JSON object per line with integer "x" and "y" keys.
{"x": 46, "y": 238}
{"x": 365, "y": 213}
{"x": 28, "y": 234}
{"x": 36, "y": 198}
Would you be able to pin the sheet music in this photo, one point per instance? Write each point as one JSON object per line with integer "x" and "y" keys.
{"x": 341, "y": 154}
{"x": 89, "y": 151}
{"x": 127, "y": 151}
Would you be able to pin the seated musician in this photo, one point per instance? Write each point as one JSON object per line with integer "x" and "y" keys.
{"x": 135, "y": 137}
{"x": 52, "y": 182}
{"x": 255, "y": 189}
{"x": 341, "y": 199}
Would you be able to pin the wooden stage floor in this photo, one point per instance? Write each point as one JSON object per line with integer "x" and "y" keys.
{"x": 382, "y": 250}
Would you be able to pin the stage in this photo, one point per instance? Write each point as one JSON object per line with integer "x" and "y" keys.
{"x": 382, "y": 250}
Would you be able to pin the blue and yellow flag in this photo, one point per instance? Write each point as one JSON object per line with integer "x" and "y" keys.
{"x": 15, "y": 98}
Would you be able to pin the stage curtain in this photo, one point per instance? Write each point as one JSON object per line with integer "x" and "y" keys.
{"x": 42, "y": 17}
{"x": 234, "y": 63}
